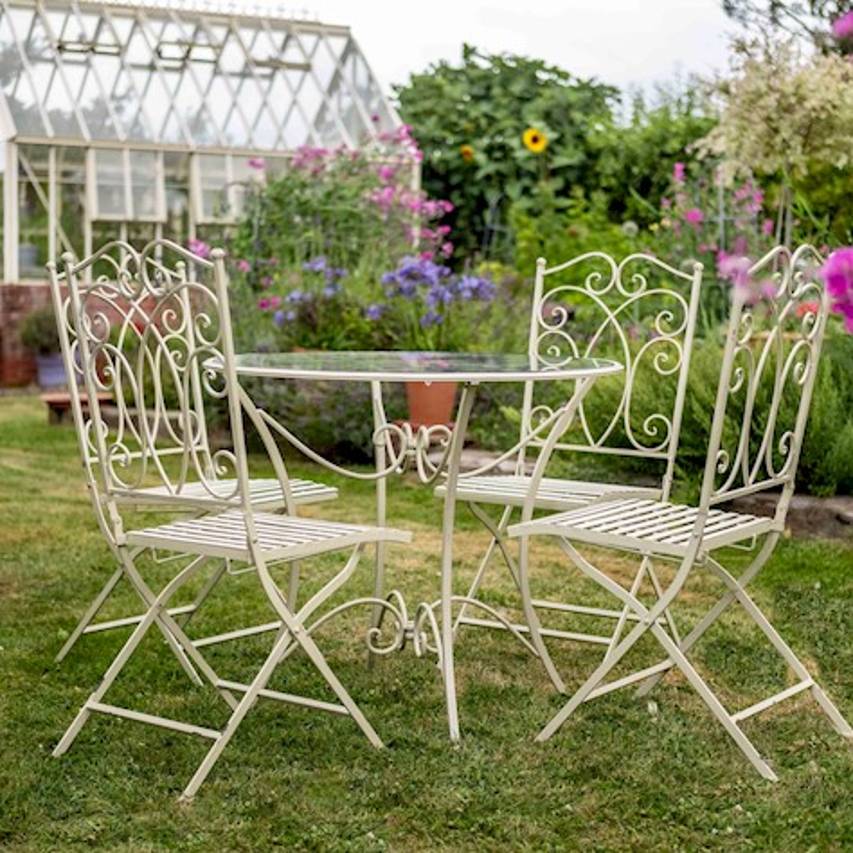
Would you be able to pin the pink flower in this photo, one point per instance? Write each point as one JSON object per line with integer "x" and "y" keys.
{"x": 257, "y": 163}
{"x": 198, "y": 247}
{"x": 387, "y": 173}
{"x": 735, "y": 268}
{"x": 767, "y": 227}
{"x": 447, "y": 249}
{"x": 264, "y": 303}
{"x": 837, "y": 272}
{"x": 740, "y": 245}
{"x": 243, "y": 265}
{"x": 694, "y": 216}
{"x": 678, "y": 173}
{"x": 842, "y": 27}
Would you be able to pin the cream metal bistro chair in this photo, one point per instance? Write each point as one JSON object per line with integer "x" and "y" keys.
{"x": 181, "y": 494}
{"x": 159, "y": 304}
{"x": 768, "y": 372}
{"x": 642, "y": 312}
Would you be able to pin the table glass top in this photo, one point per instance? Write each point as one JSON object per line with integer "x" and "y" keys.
{"x": 417, "y": 366}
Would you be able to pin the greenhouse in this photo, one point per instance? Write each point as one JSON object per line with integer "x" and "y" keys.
{"x": 150, "y": 120}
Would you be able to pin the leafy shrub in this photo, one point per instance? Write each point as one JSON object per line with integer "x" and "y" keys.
{"x": 471, "y": 119}
{"x": 38, "y": 332}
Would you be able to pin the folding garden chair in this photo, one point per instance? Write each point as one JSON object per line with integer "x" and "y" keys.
{"x": 153, "y": 305}
{"x": 768, "y": 372}
{"x": 641, "y": 312}
{"x": 179, "y": 494}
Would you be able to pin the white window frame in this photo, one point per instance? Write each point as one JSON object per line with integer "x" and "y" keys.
{"x": 234, "y": 211}
{"x": 129, "y": 214}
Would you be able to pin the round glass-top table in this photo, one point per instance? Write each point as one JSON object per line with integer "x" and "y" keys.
{"x": 398, "y": 446}
{"x": 417, "y": 366}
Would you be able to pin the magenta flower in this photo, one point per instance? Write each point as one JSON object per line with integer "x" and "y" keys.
{"x": 264, "y": 303}
{"x": 387, "y": 173}
{"x": 198, "y": 247}
{"x": 257, "y": 163}
{"x": 243, "y": 265}
{"x": 767, "y": 227}
{"x": 694, "y": 216}
{"x": 837, "y": 272}
{"x": 842, "y": 27}
{"x": 678, "y": 173}
{"x": 735, "y": 268}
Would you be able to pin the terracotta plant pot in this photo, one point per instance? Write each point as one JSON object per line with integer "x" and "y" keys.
{"x": 430, "y": 403}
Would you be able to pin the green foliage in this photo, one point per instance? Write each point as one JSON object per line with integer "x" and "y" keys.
{"x": 561, "y": 228}
{"x": 636, "y": 159}
{"x": 486, "y": 102}
{"x": 38, "y": 332}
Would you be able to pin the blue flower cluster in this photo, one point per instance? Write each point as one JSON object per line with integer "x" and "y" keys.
{"x": 418, "y": 277}
{"x": 332, "y": 275}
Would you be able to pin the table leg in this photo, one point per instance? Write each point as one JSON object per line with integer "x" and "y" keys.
{"x": 454, "y": 459}
{"x": 380, "y": 457}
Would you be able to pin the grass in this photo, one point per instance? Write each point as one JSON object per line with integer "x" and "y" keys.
{"x": 620, "y": 774}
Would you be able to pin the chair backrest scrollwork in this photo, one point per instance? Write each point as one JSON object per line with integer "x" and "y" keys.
{"x": 146, "y": 333}
{"x": 640, "y": 312}
{"x": 775, "y": 334}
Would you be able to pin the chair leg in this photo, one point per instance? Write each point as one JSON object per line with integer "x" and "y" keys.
{"x": 486, "y": 559}
{"x": 716, "y": 611}
{"x": 291, "y": 634}
{"x": 754, "y": 612}
{"x": 154, "y": 613}
{"x": 714, "y": 704}
{"x": 184, "y": 619}
{"x": 90, "y": 614}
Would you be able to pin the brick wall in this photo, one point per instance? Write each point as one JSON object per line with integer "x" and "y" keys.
{"x": 17, "y": 365}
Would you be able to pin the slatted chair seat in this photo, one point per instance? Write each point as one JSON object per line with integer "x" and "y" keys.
{"x": 553, "y": 493}
{"x": 648, "y": 527}
{"x": 279, "y": 536}
{"x": 264, "y": 493}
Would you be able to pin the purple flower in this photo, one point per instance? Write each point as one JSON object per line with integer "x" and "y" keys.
{"x": 842, "y": 27}
{"x": 334, "y": 274}
{"x": 198, "y": 247}
{"x": 296, "y": 296}
{"x": 374, "y": 311}
{"x": 281, "y": 317}
{"x": 318, "y": 264}
{"x": 431, "y": 318}
{"x": 243, "y": 265}
{"x": 475, "y": 287}
{"x": 837, "y": 272}
{"x": 331, "y": 290}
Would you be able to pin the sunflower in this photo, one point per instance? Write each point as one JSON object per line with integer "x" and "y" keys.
{"x": 534, "y": 140}
{"x": 467, "y": 152}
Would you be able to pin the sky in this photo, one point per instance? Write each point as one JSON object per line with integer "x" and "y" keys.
{"x": 623, "y": 42}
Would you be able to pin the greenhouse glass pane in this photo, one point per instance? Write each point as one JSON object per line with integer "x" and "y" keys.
{"x": 109, "y": 184}
{"x": 145, "y": 184}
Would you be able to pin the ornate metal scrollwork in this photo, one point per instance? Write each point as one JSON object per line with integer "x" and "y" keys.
{"x": 607, "y": 313}
{"x": 147, "y": 329}
{"x": 774, "y": 360}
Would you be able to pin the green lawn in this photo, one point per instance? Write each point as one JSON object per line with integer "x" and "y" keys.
{"x": 621, "y": 774}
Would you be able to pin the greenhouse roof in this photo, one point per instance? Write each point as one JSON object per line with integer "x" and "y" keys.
{"x": 188, "y": 75}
